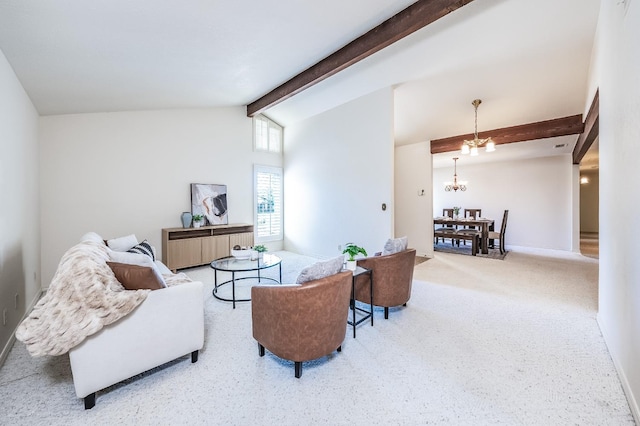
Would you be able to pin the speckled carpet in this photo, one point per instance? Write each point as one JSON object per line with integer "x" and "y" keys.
{"x": 480, "y": 343}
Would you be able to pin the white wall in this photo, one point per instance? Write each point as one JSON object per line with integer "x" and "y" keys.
{"x": 130, "y": 172}
{"x": 338, "y": 172}
{"x": 19, "y": 209}
{"x": 414, "y": 196}
{"x": 619, "y": 291}
{"x": 537, "y": 192}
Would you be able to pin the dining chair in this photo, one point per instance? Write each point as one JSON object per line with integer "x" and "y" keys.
{"x": 444, "y": 230}
{"x": 470, "y": 230}
{"x": 499, "y": 235}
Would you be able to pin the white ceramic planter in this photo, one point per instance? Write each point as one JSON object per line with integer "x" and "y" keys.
{"x": 352, "y": 264}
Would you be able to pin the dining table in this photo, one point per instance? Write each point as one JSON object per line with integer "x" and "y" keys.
{"x": 485, "y": 225}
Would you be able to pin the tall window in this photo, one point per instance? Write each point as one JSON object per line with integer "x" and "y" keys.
{"x": 267, "y": 135}
{"x": 268, "y": 203}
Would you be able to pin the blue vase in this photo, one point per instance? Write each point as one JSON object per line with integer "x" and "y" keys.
{"x": 186, "y": 219}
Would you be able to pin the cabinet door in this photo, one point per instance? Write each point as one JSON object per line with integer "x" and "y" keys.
{"x": 214, "y": 248}
{"x": 184, "y": 253}
{"x": 243, "y": 239}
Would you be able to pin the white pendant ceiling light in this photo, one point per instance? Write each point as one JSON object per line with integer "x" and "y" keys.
{"x": 471, "y": 147}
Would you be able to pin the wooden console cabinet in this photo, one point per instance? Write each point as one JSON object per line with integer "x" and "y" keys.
{"x": 187, "y": 247}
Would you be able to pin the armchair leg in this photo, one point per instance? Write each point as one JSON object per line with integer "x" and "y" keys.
{"x": 90, "y": 401}
{"x": 298, "y": 369}
{"x": 339, "y": 348}
{"x": 194, "y": 356}
{"x": 260, "y": 350}
{"x": 386, "y": 312}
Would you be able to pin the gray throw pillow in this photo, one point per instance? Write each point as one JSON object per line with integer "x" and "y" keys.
{"x": 395, "y": 245}
{"x": 320, "y": 269}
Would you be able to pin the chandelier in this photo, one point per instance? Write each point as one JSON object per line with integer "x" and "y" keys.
{"x": 471, "y": 147}
{"x": 462, "y": 186}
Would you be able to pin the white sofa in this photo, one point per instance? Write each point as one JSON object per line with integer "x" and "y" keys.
{"x": 167, "y": 325}
{"x": 117, "y": 311}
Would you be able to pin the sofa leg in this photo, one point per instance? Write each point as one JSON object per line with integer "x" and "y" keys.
{"x": 260, "y": 350}
{"x": 404, "y": 304}
{"x": 194, "y": 356}
{"x": 339, "y": 348}
{"x": 90, "y": 401}
{"x": 298, "y": 367}
{"x": 386, "y": 312}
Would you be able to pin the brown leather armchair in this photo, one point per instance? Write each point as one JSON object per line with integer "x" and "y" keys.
{"x": 392, "y": 276}
{"x": 301, "y": 322}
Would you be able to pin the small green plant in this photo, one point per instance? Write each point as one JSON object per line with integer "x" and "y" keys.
{"x": 353, "y": 250}
{"x": 197, "y": 217}
{"x": 260, "y": 248}
{"x": 456, "y": 210}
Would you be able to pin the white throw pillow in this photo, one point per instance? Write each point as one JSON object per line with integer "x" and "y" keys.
{"x": 320, "y": 269}
{"x": 137, "y": 259}
{"x": 122, "y": 243}
{"x": 395, "y": 245}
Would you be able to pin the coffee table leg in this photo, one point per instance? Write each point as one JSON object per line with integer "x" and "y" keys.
{"x": 233, "y": 288}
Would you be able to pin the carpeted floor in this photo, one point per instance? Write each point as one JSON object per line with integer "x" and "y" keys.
{"x": 479, "y": 343}
{"x": 421, "y": 259}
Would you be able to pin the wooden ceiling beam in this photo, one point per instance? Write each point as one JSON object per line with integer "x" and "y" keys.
{"x": 591, "y": 130}
{"x": 571, "y": 125}
{"x": 411, "y": 19}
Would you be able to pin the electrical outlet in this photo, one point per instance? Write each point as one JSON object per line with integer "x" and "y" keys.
{"x": 4, "y": 316}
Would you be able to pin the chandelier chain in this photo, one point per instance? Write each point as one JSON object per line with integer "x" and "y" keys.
{"x": 471, "y": 146}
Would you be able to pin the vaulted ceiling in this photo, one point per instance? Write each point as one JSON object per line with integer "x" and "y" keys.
{"x": 528, "y": 60}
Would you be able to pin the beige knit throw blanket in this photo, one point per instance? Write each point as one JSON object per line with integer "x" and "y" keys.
{"x": 83, "y": 297}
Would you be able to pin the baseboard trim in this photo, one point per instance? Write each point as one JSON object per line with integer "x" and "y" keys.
{"x": 561, "y": 254}
{"x": 7, "y": 348}
{"x": 12, "y": 340}
{"x": 626, "y": 388}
